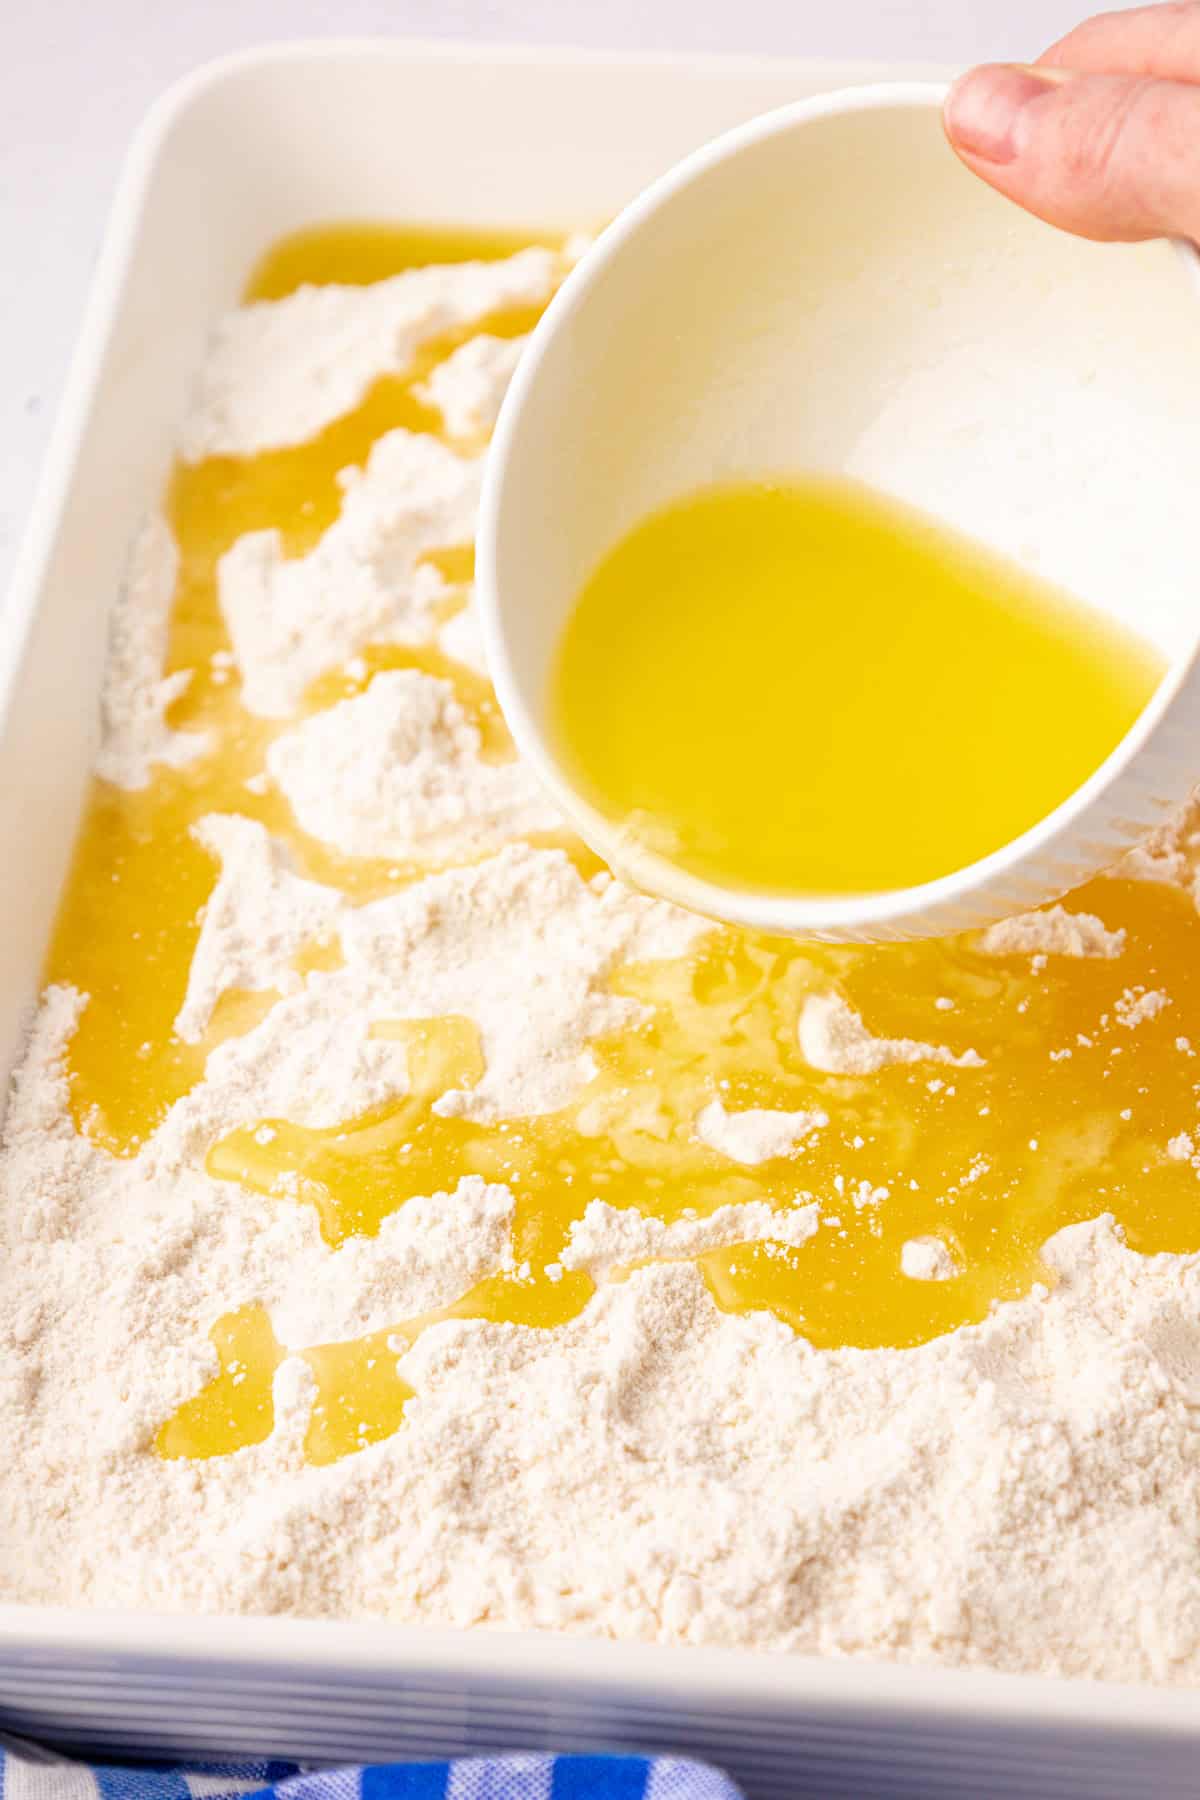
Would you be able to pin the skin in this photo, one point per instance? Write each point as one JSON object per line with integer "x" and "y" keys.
{"x": 1101, "y": 135}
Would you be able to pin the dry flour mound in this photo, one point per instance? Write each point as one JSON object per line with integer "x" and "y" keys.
{"x": 257, "y": 919}
{"x": 610, "y": 1237}
{"x": 519, "y": 943}
{"x": 136, "y": 694}
{"x": 1054, "y": 932}
{"x": 292, "y": 618}
{"x": 398, "y": 772}
{"x": 1168, "y": 853}
{"x": 150, "y": 1263}
{"x": 461, "y": 637}
{"x": 525, "y": 947}
{"x": 833, "y": 1038}
{"x": 279, "y": 371}
{"x": 468, "y": 388}
{"x": 1136, "y": 1005}
{"x": 656, "y": 1468}
{"x": 756, "y": 1134}
{"x": 928, "y": 1259}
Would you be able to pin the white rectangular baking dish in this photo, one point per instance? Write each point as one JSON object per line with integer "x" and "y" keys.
{"x": 239, "y": 154}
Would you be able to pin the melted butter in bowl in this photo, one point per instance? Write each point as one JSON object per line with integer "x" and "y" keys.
{"x": 805, "y": 688}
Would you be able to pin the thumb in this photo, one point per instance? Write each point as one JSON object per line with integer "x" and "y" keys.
{"x": 1106, "y": 156}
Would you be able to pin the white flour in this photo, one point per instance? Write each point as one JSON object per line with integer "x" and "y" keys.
{"x": 468, "y": 387}
{"x": 397, "y": 772}
{"x": 757, "y": 1134}
{"x": 257, "y": 919}
{"x": 1022, "y": 1494}
{"x": 291, "y": 619}
{"x": 1054, "y": 932}
{"x": 927, "y": 1259}
{"x": 518, "y": 943}
{"x": 608, "y": 1237}
{"x": 278, "y": 372}
{"x": 461, "y": 637}
{"x": 656, "y": 1468}
{"x": 834, "y": 1038}
{"x": 1135, "y": 1007}
{"x": 136, "y": 694}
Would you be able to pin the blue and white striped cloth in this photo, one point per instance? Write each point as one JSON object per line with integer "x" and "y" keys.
{"x": 29, "y": 1773}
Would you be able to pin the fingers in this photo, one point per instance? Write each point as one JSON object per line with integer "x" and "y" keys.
{"x": 1102, "y": 134}
{"x": 1106, "y": 156}
{"x": 1163, "y": 41}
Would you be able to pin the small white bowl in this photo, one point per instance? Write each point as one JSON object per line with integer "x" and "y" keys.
{"x": 826, "y": 289}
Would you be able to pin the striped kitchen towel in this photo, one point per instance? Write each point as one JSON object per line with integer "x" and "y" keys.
{"x": 29, "y": 1773}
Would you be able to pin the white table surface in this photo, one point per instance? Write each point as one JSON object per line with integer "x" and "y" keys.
{"x": 76, "y": 76}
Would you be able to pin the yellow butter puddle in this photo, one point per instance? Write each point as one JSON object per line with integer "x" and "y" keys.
{"x": 1069, "y": 1115}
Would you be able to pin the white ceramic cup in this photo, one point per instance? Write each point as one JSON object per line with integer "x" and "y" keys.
{"x": 826, "y": 289}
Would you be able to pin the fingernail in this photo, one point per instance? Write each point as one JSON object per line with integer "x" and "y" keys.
{"x": 984, "y": 107}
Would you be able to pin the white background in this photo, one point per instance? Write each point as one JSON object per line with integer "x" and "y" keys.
{"x": 76, "y": 76}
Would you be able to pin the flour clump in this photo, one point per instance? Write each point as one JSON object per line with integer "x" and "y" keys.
{"x": 368, "y": 581}
{"x": 834, "y": 1038}
{"x": 279, "y": 371}
{"x": 398, "y": 772}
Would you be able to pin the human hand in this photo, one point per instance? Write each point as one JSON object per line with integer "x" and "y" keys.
{"x": 1102, "y": 134}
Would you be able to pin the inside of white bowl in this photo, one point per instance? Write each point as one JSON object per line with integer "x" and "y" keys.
{"x": 842, "y": 296}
